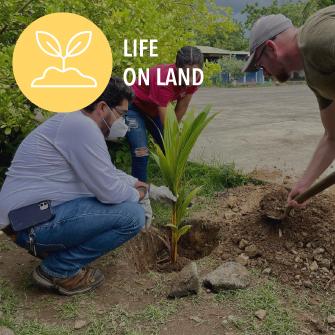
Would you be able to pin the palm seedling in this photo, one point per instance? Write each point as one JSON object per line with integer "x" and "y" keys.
{"x": 178, "y": 141}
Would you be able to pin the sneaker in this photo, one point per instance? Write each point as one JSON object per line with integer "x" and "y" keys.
{"x": 86, "y": 280}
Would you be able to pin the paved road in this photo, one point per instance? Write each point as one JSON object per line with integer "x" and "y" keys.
{"x": 263, "y": 128}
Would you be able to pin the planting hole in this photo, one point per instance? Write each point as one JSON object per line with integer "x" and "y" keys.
{"x": 202, "y": 239}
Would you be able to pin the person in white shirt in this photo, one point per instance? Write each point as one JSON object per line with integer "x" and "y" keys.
{"x": 97, "y": 207}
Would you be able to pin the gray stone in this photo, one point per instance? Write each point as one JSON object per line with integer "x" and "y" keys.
{"x": 78, "y": 324}
{"x": 326, "y": 263}
{"x": 243, "y": 243}
{"x": 242, "y": 259}
{"x": 318, "y": 251}
{"x": 228, "y": 276}
{"x": 252, "y": 251}
{"x": 318, "y": 325}
{"x": 186, "y": 282}
{"x": 314, "y": 266}
{"x": 6, "y": 331}
{"x": 308, "y": 284}
{"x": 196, "y": 319}
{"x": 267, "y": 271}
{"x": 331, "y": 320}
{"x": 261, "y": 314}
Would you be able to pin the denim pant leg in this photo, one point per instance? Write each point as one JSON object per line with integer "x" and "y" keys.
{"x": 83, "y": 230}
{"x": 155, "y": 128}
{"x": 138, "y": 142}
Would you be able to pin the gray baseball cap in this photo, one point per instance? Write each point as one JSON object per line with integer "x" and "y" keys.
{"x": 265, "y": 28}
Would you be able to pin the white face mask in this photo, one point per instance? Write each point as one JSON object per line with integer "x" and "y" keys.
{"x": 118, "y": 129}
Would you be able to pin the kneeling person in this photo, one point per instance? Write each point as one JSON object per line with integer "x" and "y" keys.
{"x": 96, "y": 207}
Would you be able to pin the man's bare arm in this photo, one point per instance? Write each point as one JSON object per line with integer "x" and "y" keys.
{"x": 323, "y": 155}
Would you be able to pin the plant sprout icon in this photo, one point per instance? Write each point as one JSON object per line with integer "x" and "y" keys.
{"x": 64, "y": 77}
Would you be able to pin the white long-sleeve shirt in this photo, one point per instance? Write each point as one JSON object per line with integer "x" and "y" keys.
{"x": 64, "y": 158}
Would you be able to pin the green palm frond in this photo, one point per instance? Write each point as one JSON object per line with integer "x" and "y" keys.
{"x": 178, "y": 141}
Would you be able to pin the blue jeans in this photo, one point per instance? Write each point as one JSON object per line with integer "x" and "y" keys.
{"x": 81, "y": 231}
{"x": 138, "y": 124}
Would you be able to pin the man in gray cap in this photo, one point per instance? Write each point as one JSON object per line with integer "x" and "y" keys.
{"x": 280, "y": 49}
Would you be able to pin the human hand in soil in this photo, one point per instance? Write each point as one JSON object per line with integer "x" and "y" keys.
{"x": 162, "y": 194}
{"x": 296, "y": 190}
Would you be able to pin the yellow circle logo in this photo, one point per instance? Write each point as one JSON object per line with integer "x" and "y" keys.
{"x": 62, "y": 62}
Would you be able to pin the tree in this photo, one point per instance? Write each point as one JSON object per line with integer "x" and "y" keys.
{"x": 314, "y": 5}
{"x": 232, "y": 66}
{"x": 173, "y": 23}
{"x": 290, "y": 9}
{"x": 298, "y": 12}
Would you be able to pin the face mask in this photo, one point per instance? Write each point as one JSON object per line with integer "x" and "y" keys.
{"x": 118, "y": 129}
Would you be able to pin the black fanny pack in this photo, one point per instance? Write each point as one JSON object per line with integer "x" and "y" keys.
{"x": 31, "y": 215}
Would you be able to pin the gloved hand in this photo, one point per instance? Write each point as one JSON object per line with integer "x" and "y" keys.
{"x": 145, "y": 202}
{"x": 162, "y": 194}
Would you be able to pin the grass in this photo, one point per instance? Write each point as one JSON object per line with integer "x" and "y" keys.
{"x": 115, "y": 321}
{"x": 120, "y": 321}
{"x": 279, "y": 319}
{"x": 9, "y": 303}
{"x": 70, "y": 309}
{"x": 214, "y": 178}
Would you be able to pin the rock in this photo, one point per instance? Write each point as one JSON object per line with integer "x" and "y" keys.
{"x": 260, "y": 314}
{"x": 331, "y": 320}
{"x": 252, "y": 251}
{"x": 6, "y": 331}
{"x": 228, "y": 276}
{"x": 318, "y": 326}
{"x": 243, "y": 259}
{"x": 78, "y": 324}
{"x": 326, "y": 263}
{"x": 267, "y": 271}
{"x": 314, "y": 266}
{"x": 309, "y": 245}
{"x": 308, "y": 284}
{"x": 243, "y": 243}
{"x": 196, "y": 319}
{"x": 318, "y": 251}
{"x": 186, "y": 282}
{"x": 298, "y": 259}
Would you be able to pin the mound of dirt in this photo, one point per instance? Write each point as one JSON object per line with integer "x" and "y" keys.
{"x": 273, "y": 203}
{"x": 299, "y": 251}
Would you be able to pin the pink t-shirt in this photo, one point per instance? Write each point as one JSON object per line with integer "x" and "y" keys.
{"x": 149, "y": 97}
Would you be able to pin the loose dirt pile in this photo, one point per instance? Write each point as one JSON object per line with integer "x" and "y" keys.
{"x": 300, "y": 251}
{"x": 273, "y": 203}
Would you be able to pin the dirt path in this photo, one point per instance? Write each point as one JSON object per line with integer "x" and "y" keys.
{"x": 263, "y": 127}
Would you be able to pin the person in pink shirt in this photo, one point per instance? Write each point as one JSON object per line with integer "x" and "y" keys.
{"x": 148, "y": 109}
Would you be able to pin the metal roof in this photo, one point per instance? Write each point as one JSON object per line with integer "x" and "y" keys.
{"x": 217, "y": 51}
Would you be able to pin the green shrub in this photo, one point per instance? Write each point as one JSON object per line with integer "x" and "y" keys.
{"x": 212, "y": 72}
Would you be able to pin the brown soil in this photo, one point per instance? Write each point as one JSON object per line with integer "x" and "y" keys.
{"x": 290, "y": 248}
{"x": 273, "y": 203}
{"x": 150, "y": 250}
{"x": 232, "y": 224}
